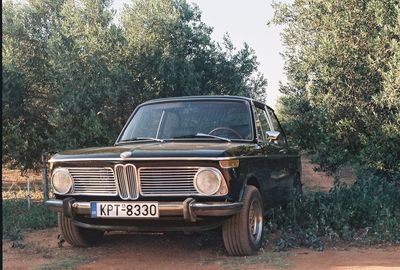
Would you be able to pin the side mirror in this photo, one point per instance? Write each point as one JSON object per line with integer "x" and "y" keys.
{"x": 272, "y": 135}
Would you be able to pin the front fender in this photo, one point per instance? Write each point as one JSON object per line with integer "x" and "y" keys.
{"x": 252, "y": 180}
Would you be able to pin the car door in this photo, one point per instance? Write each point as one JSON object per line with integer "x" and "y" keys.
{"x": 274, "y": 170}
{"x": 287, "y": 159}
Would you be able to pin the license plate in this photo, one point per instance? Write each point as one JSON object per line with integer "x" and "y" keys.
{"x": 124, "y": 209}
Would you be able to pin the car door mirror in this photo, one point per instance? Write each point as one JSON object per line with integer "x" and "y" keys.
{"x": 272, "y": 135}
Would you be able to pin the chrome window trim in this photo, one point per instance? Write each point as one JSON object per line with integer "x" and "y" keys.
{"x": 253, "y": 135}
{"x": 261, "y": 127}
{"x": 271, "y": 126}
{"x": 279, "y": 124}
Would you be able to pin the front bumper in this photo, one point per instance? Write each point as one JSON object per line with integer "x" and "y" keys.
{"x": 188, "y": 209}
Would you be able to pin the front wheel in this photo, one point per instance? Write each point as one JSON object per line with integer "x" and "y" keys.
{"x": 243, "y": 233}
{"x": 77, "y": 236}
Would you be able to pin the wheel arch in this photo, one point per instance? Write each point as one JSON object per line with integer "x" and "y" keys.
{"x": 251, "y": 180}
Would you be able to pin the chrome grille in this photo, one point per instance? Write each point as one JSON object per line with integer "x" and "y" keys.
{"x": 93, "y": 181}
{"x": 126, "y": 180}
{"x": 164, "y": 181}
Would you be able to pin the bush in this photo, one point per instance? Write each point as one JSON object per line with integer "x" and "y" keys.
{"x": 366, "y": 212}
{"x": 17, "y": 217}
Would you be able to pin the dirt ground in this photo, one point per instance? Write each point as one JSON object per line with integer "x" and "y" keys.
{"x": 177, "y": 251}
{"x": 314, "y": 180}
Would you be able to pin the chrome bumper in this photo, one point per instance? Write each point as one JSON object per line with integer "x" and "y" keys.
{"x": 189, "y": 208}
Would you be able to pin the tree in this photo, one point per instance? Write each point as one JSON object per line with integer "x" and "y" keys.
{"x": 343, "y": 66}
{"x": 27, "y": 81}
{"x": 72, "y": 74}
{"x": 171, "y": 48}
{"x": 88, "y": 75}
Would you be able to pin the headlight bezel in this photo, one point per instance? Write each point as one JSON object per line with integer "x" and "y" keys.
{"x": 221, "y": 182}
{"x": 65, "y": 172}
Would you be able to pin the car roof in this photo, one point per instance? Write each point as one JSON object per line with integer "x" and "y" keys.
{"x": 210, "y": 97}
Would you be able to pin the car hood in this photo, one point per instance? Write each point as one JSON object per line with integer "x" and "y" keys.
{"x": 158, "y": 149}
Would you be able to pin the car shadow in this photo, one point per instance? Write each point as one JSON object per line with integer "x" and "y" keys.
{"x": 209, "y": 241}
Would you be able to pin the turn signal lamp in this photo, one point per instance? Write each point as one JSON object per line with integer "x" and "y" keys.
{"x": 231, "y": 163}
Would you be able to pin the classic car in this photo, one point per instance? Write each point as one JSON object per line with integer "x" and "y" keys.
{"x": 179, "y": 164}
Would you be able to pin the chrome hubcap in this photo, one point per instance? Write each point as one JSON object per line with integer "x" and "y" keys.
{"x": 255, "y": 221}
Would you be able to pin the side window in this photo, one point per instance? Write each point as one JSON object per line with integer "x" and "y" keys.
{"x": 275, "y": 124}
{"x": 261, "y": 124}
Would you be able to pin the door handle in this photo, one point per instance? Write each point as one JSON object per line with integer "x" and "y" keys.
{"x": 283, "y": 151}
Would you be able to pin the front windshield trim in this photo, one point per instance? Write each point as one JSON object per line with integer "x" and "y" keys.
{"x": 197, "y": 139}
{"x": 247, "y": 103}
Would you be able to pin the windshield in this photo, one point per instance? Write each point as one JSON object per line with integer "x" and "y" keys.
{"x": 216, "y": 120}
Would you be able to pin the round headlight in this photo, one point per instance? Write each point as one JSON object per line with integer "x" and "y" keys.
{"x": 207, "y": 181}
{"x": 61, "y": 181}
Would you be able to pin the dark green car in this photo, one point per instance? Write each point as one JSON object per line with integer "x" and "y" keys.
{"x": 179, "y": 164}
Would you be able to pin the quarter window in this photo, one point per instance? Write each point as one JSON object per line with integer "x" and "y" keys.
{"x": 261, "y": 124}
{"x": 276, "y": 126}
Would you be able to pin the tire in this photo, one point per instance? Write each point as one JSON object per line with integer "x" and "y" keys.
{"x": 77, "y": 236}
{"x": 243, "y": 235}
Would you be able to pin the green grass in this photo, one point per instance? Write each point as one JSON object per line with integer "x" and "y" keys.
{"x": 17, "y": 218}
{"x": 67, "y": 263}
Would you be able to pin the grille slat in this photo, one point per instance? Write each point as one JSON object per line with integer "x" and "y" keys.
{"x": 173, "y": 190}
{"x": 158, "y": 181}
{"x": 93, "y": 185}
{"x": 94, "y": 176}
{"x": 95, "y": 180}
{"x": 168, "y": 176}
{"x": 88, "y": 181}
{"x": 169, "y": 173}
{"x": 168, "y": 183}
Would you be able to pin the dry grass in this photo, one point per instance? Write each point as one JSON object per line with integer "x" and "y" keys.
{"x": 23, "y": 209}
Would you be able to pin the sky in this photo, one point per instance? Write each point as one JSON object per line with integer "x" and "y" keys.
{"x": 246, "y": 21}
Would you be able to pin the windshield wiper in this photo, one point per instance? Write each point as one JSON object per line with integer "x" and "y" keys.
{"x": 202, "y": 135}
{"x": 143, "y": 139}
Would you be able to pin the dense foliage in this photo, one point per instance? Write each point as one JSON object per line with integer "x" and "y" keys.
{"x": 342, "y": 104}
{"x": 342, "y": 98}
{"x": 367, "y": 212}
{"x": 73, "y": 70}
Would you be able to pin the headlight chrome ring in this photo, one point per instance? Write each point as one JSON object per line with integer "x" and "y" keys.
{"x": 61, "y": 181}
{"x": 207, "y": 181}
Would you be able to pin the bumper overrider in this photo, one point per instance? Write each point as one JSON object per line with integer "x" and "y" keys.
{"x": 189, "y": 209}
